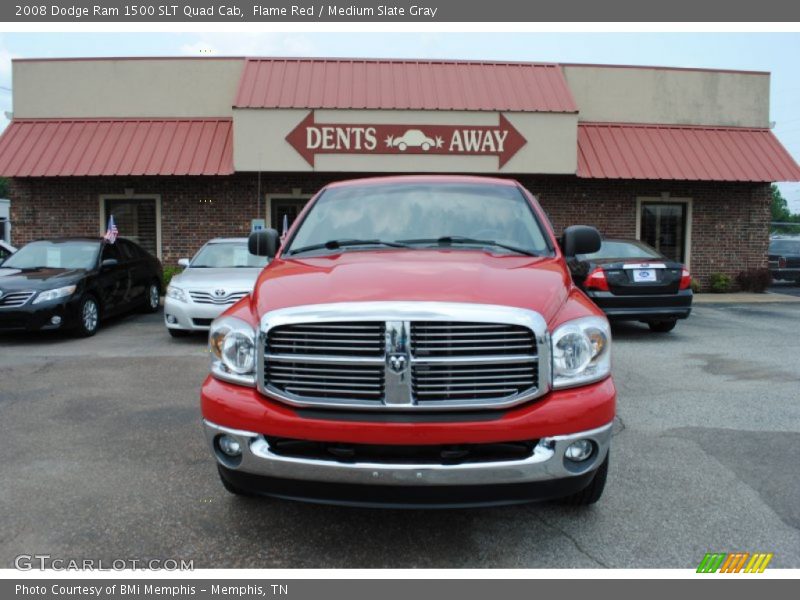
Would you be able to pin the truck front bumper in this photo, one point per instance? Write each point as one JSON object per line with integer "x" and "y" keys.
{"x": 546, "y": 462}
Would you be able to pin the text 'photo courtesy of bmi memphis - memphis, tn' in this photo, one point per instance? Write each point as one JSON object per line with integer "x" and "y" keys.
{"x": 182, "y": 150}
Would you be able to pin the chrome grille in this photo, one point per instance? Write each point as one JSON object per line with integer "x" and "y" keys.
{"x": 201, "y": 297}
{"x": 437, "y": 382}
{"x": 439, "y": 338}
{"x": 337, "y": 339}
{"x": 326, "y": 380}
{"x": 404, "y": 355}
{"x": 14, "y": 299}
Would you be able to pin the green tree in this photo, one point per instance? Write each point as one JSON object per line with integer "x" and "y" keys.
{"x": 3, "y": 187}
{"x": 780, "y": 208}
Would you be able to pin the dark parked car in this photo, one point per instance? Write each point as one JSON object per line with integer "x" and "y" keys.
{"x": 631, "y": 281}
{"x": 72, "y": 283}
{"x": 784, "y": 258}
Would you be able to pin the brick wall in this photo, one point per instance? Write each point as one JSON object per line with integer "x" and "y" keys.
{"x": 729, "y": 225}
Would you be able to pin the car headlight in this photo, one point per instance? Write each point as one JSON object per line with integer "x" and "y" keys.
{"x": 581, "y": 352}
{"x": 176, "y": 293}
{"x": 48, "y": 295}
{"x": 232, "y": 345}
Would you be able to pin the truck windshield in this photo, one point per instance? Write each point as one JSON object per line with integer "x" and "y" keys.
{"x": 421, "y": 215}
{"x": 72, "y": 254}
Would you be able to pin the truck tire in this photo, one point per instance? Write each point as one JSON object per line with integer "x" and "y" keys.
{"x": 231, "y": 488}
{"x": 662, "y": 326}
{"x": 592, "y": 492}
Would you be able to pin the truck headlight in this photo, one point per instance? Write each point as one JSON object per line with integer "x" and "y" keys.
{"x": 581, "y": 352}
{"x": 176, "y": 293}
{"x": 55, "y": 294}
{"x": 232, "y": 344}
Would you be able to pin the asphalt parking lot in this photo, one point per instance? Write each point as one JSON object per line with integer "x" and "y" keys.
{"x": 103, "y": 457}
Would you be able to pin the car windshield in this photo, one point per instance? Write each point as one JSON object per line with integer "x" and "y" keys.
{"x": 621, "y": 249}
{"x": 73, "y": 254}
{"x": 420, "y": 215}
{"x": 784, "y": 247}
{"x": 227, "y": 255}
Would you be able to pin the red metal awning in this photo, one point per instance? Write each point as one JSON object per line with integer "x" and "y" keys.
{"x": 404, "y": 85}
{"x": 73, "y": 147}
{"x": 676, "y": 152}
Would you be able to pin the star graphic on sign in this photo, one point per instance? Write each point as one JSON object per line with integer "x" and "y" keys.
{"x": 389, "y": 141}
{"x": 439, "y": 141}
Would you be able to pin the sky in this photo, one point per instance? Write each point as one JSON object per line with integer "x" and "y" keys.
{"x": 774, "y": 52}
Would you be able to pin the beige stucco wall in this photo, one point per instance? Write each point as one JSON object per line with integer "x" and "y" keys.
{"x": 125, "y": 88}
{"x": 642, "y": 95}
{"x": 260, "y": 144}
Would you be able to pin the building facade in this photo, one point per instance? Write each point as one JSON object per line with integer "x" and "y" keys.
{"x": 182, "y": 150}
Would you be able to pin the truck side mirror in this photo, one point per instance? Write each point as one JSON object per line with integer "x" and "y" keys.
{"x": 264, "y": 242}
{"x": 183, "y": 262}
{"x": 580, "y": 239}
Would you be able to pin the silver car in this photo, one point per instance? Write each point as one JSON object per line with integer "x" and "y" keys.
{"x": 220, "y": 274}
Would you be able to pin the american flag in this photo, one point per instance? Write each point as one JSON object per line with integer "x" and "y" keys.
{"x": 111, "y": 231}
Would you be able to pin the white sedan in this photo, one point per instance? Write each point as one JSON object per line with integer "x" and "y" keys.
{"x": 221, "y": 273}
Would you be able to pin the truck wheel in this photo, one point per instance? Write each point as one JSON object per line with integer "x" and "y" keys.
{"x": 592, "y": 492}
{"x": 178, "y": 333}
{"x": 151, "y": 298}
{"x": 88, "y": 317}
{"x": 662, "y": 326}
{"x": 231, "y": 488}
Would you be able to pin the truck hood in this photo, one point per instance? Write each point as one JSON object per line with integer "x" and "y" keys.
{"x": 231, "y": 280}
{"x": 473, "y": 276}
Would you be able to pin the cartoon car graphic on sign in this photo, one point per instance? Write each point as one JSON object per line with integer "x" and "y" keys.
{"x": 413, "y": 138}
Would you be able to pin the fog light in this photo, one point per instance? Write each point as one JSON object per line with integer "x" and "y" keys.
{"x": 579, "y": 451}
{"x": 171, "y": 319}
{"x": 229, "y": 446}
{"x": 56, "y": 320}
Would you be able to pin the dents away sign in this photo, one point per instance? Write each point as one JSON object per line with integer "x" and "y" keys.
{"x": 310, "y": 138}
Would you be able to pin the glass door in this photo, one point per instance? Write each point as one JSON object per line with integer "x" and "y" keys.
{"x": 288, "y": 208}
{"x": 663, "y": 226}
{"x": 136, "y": 220}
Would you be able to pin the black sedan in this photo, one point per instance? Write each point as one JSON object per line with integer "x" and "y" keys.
{"x": 72, "y": 283}
{"x": 630, "y": 281}
{"x": 784, "y": 258}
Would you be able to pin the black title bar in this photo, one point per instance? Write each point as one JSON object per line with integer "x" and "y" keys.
{"x": 419, "y": 11}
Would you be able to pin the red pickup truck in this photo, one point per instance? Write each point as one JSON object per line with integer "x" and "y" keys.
{"x": 414, "y": 341}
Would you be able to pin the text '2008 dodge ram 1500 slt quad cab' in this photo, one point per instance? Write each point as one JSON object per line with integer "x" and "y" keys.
{"x": 415, "y": 341}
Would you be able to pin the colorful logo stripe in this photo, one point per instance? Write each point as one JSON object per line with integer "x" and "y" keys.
{"x": 734, "y": 562}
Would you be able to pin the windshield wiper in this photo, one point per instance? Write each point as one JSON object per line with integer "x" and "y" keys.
{"x": 449, "y": 240}
{"x": 335, "y": 244}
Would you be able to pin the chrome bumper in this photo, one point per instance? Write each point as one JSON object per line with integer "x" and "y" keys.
{"x": 546, "y": 463}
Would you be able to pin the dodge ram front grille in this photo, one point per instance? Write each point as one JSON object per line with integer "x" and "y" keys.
{"x": 433, "y": 338}
{"x": 327, "y": 380}
{"x": 337, "y": 339}
{"x": 399, "y": 356}
{"x": 434, "y": 382}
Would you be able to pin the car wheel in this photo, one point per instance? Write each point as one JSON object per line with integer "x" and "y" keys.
{"x": 88, "y": 317}
{"x": 662, "y": 326}
{"x": 230, "y": 487}
{"x": 592, "y": 492}
{"x": 178, "y": 333}
{"x": 426, "y": 146}
{"x": 402, "y": 146}
{"x": 152, "y": 298}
